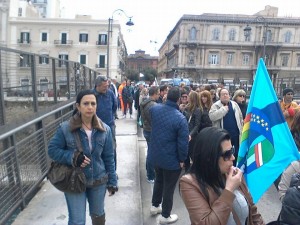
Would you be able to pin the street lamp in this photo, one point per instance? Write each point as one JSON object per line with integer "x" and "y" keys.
{"x": 247, "y": 33}
{"x": 109, "y": 34}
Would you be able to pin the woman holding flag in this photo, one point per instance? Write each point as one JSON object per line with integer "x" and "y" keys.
{"x": 214, "y": 192}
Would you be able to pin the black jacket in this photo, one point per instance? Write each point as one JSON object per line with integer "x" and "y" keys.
{"x": 290, "y": 211}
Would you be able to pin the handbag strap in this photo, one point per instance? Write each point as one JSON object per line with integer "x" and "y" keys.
{"x": 78, "y": 142}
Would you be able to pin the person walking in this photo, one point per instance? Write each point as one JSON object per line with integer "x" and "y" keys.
{"x": 96, "y": 160}
{"x": 127, "y": 96}
{"x": 167, "y": 152}
{"x": 213, "y": 191}
{"x": 106, "y": 107}
{"x": 226, "y": 114}
{"x": 146, "y": 117}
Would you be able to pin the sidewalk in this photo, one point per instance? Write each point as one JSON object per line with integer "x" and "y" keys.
{"x": 124, "y": 208}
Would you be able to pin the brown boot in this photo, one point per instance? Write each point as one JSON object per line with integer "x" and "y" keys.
{"x": 98, "y": 220}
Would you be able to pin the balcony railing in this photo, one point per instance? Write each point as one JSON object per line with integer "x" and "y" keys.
{"x": 24, "y": 42}
{"x": 101, "y": 42}
{"x": 63, "y": 42}
{"x": 100, "y": 66}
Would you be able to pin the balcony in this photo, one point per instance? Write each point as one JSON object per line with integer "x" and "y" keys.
{"x": 63, "y": 42}
{"x": 101, "y": 43}
{"x": 24, "y": 42}
{"x": 100, "y": 66}
{"x": 39, "y": 1}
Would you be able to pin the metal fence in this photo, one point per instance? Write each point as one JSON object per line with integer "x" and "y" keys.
{"x": 37, "y": 80}
{"x": 35, "y": 98}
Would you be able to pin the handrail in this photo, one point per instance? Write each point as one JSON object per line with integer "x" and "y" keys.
{"x": 11, "y": 132}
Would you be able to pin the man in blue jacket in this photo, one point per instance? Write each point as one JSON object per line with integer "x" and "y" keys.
{"x": 106, "y": 107}
{"x": 168, "y": 150}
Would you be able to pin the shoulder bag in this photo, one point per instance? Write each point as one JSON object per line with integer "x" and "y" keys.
{"x": 68, "y": 178}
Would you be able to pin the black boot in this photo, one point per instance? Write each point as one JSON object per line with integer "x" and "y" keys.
{"x": 98, "y": 220}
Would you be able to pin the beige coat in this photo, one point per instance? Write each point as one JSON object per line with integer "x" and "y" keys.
{"x": 218, "y": 111}
{"x": 218, "y": 209}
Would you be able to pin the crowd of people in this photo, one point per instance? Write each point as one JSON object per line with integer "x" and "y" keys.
{"x": 196, "y": 131}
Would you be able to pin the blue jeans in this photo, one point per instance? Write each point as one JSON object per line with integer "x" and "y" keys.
{"x": 149, "y": 167}
{"x": 76, "y": 203}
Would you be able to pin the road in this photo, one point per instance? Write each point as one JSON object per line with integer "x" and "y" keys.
{"x": 269, "y": 205}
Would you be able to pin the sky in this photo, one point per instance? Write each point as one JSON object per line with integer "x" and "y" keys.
{"x": 153, "y": 20}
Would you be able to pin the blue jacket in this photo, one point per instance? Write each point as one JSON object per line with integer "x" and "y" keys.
{"x": 62, "y": 148}
{"x": 169, "y": 136}
{"x": 106, "y": 106}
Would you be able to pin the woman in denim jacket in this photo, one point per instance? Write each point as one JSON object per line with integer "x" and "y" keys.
{"x": 96, "y": 160}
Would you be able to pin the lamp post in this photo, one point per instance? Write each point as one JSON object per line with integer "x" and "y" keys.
{"x": 247, "y": 32}
{"x": 109, "y": 35}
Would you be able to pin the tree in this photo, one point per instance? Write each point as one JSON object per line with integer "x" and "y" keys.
{"x": 149, "y": 74}
{"x": 132, "y": 74}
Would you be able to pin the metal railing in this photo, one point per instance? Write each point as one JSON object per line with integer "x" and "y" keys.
{"x": 33, "y": 103}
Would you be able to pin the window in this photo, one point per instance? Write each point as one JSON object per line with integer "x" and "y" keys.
{"x": 63, "y": 58}
{"x": 229, "y": 58}
{"x": 24, "y": 60}
{"x": 20, "y": 12}
{"x": 216, "y": 34}
{"x": 232, "y": 34}
{"x": 63, "y": 38}
{"x": 298, "y": 60}
{"x": 44, "y": 59}
{"x": 82, "y": 59}
{"x": 193, "y": 33}
{"x": 269, "y": 36}
{"x": 191, "y": 58}
{"x": 25, "y": 84}
{"x": 102, "y": 61}
{"x": 83, "y": 37}
{"x": 246, "y": 59}
{"x": 214, "y": 59}
{"x": 287, "y": 37}
{"x": 102, "y": 39}
{"x": 44, "y": 84}
{"x": 44, "y": 37}
{"x": 24, "y": 38}
{"x": 284, "y": 60}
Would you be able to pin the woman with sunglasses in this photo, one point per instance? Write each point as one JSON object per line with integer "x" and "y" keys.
{"x": 214, "y": 192}
{"x": 240, "y": 98}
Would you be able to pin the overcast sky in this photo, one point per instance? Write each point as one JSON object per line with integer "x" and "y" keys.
{"x": 156, "y": 18}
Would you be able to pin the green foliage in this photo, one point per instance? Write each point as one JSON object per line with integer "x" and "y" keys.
{"x": 132, "y": 74}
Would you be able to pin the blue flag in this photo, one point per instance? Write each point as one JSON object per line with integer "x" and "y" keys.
{"x": 267, "y": 146}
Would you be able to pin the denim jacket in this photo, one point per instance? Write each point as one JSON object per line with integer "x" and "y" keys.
{"x": 62, "y": 148}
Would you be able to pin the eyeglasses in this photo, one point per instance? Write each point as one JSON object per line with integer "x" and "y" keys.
{"x": 228, "y": 153}
{"x": 289, "y": 94}
{"x": 184, "y": 96}
{"x": 243, "y": 96}
{"x": 86, "y": 104}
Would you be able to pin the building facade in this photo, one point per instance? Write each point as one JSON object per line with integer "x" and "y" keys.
{"x": 210, "y": 48}
{"x": 82, "y": 39}
{"x": 140, "y": 61}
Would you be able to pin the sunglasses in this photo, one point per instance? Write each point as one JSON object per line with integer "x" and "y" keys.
{"x": 228, "y": 153}
{"x": 242, "y": 96}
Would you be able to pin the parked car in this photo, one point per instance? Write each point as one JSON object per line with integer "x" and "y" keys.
{"x": 23, "y": 93}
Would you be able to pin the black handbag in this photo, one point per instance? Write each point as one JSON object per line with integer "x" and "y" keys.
{"x": 67, "y": 178}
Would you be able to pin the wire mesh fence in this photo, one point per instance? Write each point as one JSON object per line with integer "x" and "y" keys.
{"x": 36, "y": 95}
